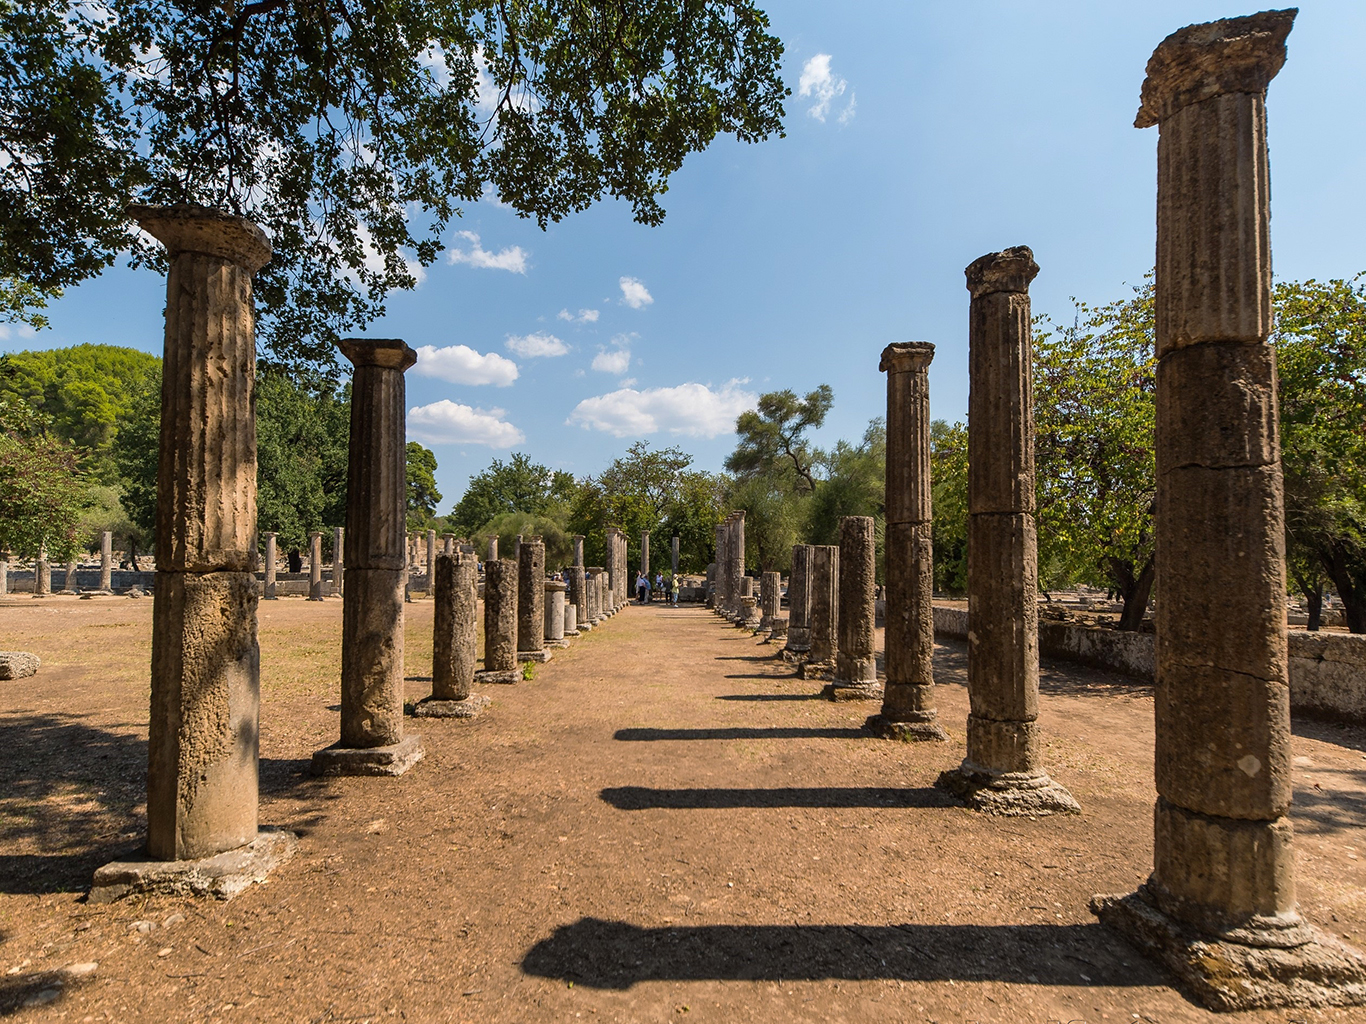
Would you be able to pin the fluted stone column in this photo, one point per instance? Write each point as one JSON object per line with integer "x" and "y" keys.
{"x": 710, "y": 594}
{"x": 645, "y": 553}
{"x": 205, "y": 699}
{"x": 855, "y": 676}
{"x": 571, "y": 620}
{"x": 373, "y": 741}
{"x": 69, "y": 578}
{"x": 4, "y": 573}
{"x": 607, "y": 598}
{"x": 578, "y": 597}
{"x": 770, "y": 599}
{"x": 455, "y": 639}
{"x": 1003, "y": 772}
{"x": 339, "y": 560}
{"x": 431, "y": 563}
{"x": 1220, "y": 906}
{"x": 554, "y": 614}
{"x": 823, "y": 611}
{"x": 268, "y": 587}
{"x": 42, "y": 575}
{"x": 492, "y": 555}
{"x": 500, "y": 623}
{"x": 798, "y": 606}
{"x": 578, "y": 549}
{"x": 673, "y": 556}
{"x": 908, "y": 704}
{"x": 315, "y": 566}
{"x": 597, "y": 593}
{"x": 531, "y": 600}
{"x": 106, "y": 562}
{"x": 716, "y": 572}
{"x": 737, "y": 557}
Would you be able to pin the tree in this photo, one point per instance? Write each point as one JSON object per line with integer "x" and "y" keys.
{"x": 773, "y": 437}
{"x": 518, "y": 485}
{"x": 1320, "y": 341}
{"x": 302, "y": 439}
{"x": 693, "y": 517}
{"x": 1094, "y": 387}
{"x": 41, "y": 494}
{"x": 949, "y": 502}
{"x": 423, "y": 497}
{"x": 352, "y": 130}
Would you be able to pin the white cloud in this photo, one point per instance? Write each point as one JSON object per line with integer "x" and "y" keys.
{"x": 847, "y": 114}
{"x": 23, "y": 330}
{"x": 538, "y": 345}
{"x": 512, "y": 258}
{"x": 824, "y": 87}
{"x": 447, "y": 422}
{"x": 460, "y": 364}
{"x": 585, "y": 316}
{"x": 616, "y": 361}
{"x": 693, "y": 410}
{"x": 634, "y": 293}
{"x": 374, "y": 259}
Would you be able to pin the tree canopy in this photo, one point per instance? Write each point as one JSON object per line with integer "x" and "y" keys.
{"x": 772, "y": 438}
{"x": 351, "y": 131}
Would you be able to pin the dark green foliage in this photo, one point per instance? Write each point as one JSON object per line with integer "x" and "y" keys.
{"x": 423, "y": 497}
{"x": 302, "y": 436}
{"x": 41, "y": 494}
{"x": 773, "y": 437}
{"x": 518, "y": 485}
{"x": 949, "y": 504}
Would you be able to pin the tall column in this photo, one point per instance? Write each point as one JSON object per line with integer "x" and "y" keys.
{"x": 737, "y": 558}
{"x": 205, "y": 700}
{"x": 645, "y": 553}
{"x": 770, "y": 597}
{"x": 492, "y": 555}
{"x": 4, "y": 573}
{"x": 710, "y": 599}
{"x": 673, "y": 556}
{"x": 716, "y": 571}
{"x": 855, "y": 675}
{"x": 823, "y": 611}
{"x": 42, "y": 574}
{"x": 315, "y": 566}
{"x": 106, "y": 562}
{"x": 531, "y": 600}
{"x": 1003, "y": 771}
{"x": 615, "y": 571}
{"x": 908, "y": 705}
{"x": 455, "y": 639}
{"x": 798, "y": 605}
{"x": 597, "y": 590}
{"x": 339, "y": 559}
{"x": 578, "y": 549}
{"x": 431, "y": 562}
{"x": 554, "y": 614}
{"x": 578, "y": 596}
{"x": 69, "y": 579}
{"x": 730, "y": 581}
{"x": 500, "y": 623}
{"x": 268, "y": 587}
{"x": 1219, "y": 908}
{"x": 372, "y": 736}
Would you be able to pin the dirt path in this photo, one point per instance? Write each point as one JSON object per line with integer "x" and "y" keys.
{"x": 664, "y": 825}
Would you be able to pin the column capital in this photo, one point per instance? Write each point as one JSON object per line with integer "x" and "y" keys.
{"x": 270, "y": 533}
{"x": 187, "y": 227}
{"x": 1009, "y": 270}
{"x": 1199, "y": 62}
{"x": 389, "y": 353}
{"x": 906, "y": 357}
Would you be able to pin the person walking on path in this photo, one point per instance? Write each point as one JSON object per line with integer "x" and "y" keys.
{"x": 673, "y": 590}
{"x": 659, "y": 584}
{"x": 642, "y": 588}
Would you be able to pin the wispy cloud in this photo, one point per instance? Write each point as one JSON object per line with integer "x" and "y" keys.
{"x": 634, "y": 293}
{"x": 614, "y": 361}
{"x": 513, "y": 258}
{"x": 536, "y": 346}
{"x": 585, "y": 316}
{"x": 447, "y": 422}
{"x": 823, "y": 86}
{"x": 692, "y": 410}
{"x": 23, "y": 330}
{"x": 460, "y": 364}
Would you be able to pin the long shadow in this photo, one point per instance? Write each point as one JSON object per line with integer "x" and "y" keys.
{"x": 783, "y": 732}
{"x": 764, "y": 675}
{"x": 1340, "y": 734}
{"x": 617, "y": 955}
{"x": 772, "y": 696}
{"x": 642, "y": 798}
{"x": 747, "y": 657}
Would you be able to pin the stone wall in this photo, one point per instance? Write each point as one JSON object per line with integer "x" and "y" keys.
{"x": 1327, "y": 670}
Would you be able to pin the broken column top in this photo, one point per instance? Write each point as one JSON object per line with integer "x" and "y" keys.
{"x": 1200, "y": 62}
{"x": 905, "y": 356}
{"x": 187, "y": 227}
{"x": 1009, "y": 270}
{"x": 392, "y": 353}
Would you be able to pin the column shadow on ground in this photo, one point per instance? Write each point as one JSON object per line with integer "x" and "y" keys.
{"x": 772, "y": 696}
{"x": 617, "y": 955}
{"x": 780, "y": 732}
{"x": 642, "y": 798}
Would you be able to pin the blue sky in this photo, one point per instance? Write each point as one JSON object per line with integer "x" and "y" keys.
{"x": 945, "y": 131}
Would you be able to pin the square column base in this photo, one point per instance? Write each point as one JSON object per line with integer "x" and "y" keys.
{"x": 1227, "y": 976}
{"x": 222, "y": 876}
{"x": 1009, "y": 794}
{"x": 928, "y": 731}
{"x": 430, "y": 707}
{"x": 809, "y": 669}
{"x": 838, "y": 690}
{"x": 394, "y": 759}
{"x": 795, "y": 656}
{"x": 498, "y": 677}
{"x": 539, "y": 657}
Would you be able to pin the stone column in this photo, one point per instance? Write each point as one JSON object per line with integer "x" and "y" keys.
{"x": 798, "y": 605}
{"x": 42, "y": 575}
{"x": 673, "y": 556}
{"x": 645, "y": 553}
{"x": 1003, "y": 771}
{"x": 597, "y": 590}
{"x": 339, "y": 559}
{"x": 69, "y": 578}
{"x": 770, "y": 599}
{"x": 372, "y": 736}
{"x": 1220, "y": 908}
{"x": 716, "y": 572}
{"x": 908, "y": 705}
{"x": 578, "y": 549}
{"x": 554, "y": 614}
{"x": 448, "y": 543}
{"x": 106, "y": 562}
{"x": 315, "y": 566}
{"x": 455, "y": 639}
{"x": 855, "y": 675}
{"x": 205, "y": 700}
{"x": 492, "y": 555}
{"x": 730, "y": 581}
{"x": 500, "y": 623}
{"x": 531, "y": 600}
{"x": 748, "y": 617}
{"x": 431, "y": 562}
{"x": 268, "y": 587}
{"x": 578, "y": 596}
{"x": 710, "y": 599}
{"x": 615, "y": 570}
{"x": 4, "y": 573}
{"x": 823, "y": 611}
{"x": 571, "y": 620}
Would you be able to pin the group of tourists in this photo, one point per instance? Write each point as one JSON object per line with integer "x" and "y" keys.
{"x": 668, "y": 591}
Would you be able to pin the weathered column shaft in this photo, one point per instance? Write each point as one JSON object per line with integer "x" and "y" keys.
{"x": 531, "y": 597}
{"x": 42, "y": 576}
{"x": 315, "y": 566}
{"x": 268, "y": 590}
{"x": 554, "y": 612}
{"x": 4, "y": 573}
{"x": 578, "y": 549}
{"x": 823, "y": 612}
{"x": 500, "y": 616}
{"x": 69, "y": 578}
{"x": 770, "y": 598}
{"x": 799, "y": 600}
{"x": 856, "y": 657}
{"x": 339, "y": 560}
{"x": 106, "y": 562}
{"x": 645, "y": 553}
{"x": 205, "y": 705}
{"x": 492, "y": 555}
{"x": 673, "y": 556}
{"x": 578, "y": 593}
{"x": 455, "y": 631}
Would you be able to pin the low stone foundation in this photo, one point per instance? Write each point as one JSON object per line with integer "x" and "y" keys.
{"x": 467, "y": 708}
{"x": 223, "y": 875}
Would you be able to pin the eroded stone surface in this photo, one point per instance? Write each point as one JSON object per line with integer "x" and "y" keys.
{"x": 856, "y": 658}
{"x": 18, "y": 664}
{"x": 223, "y": 875}
{"x": 432, "y": 707}
{"x": 394, "y": 759}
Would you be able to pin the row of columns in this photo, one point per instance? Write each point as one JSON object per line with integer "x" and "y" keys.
{"x": 42, "y": 573}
